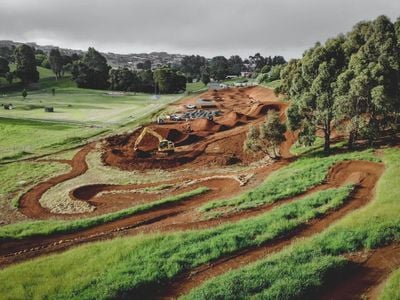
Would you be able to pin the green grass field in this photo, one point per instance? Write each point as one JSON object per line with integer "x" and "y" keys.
{"x": 127, "y": 264}
{"x": 17, "y": 178}
{"x": 79, "y": 114}
{"x": 303, "y": 268}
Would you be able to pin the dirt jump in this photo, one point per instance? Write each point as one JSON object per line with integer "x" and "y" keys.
{"x": 238, "y": 110}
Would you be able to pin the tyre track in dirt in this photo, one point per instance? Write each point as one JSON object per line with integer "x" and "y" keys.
{"x": 29, "y": 203}
{"x": 366, "y": 276}
{"x": 364, "y": 174}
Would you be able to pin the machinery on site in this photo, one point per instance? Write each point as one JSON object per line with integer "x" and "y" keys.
{"x": 164, "y": 145}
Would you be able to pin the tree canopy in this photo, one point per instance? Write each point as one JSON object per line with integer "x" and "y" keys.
{"x": 351, "y": 81}
{"x": 24, "y": 56}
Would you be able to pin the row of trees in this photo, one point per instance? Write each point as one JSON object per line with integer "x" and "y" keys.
{"x": 27, "y": 59}
{"x": 219, "y": 67}
{"x": 352, "y": 81}
{"x": 92, "y": 71}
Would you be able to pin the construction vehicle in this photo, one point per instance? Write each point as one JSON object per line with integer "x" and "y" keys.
{"x": 164, "y": 145}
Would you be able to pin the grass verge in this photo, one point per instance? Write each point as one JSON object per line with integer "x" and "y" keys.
{"x": 289, "y": 181}
{"x": 17, "y": 177}
{"x": 302, "y": 269}
{"x": 131, "y": 265}
{"x": 392, "y": 287}
{"x": 35, "y": 228}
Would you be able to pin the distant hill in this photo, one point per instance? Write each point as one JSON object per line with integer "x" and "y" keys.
{"x": 114, "y": 60}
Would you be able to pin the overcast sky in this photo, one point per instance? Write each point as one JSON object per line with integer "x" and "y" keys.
{"x": 212, "y": 27}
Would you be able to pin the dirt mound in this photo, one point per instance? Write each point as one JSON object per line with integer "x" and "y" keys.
{"x": 205, "y": 125}
{"x": 233, "y": 119}
{"x": 259, "y": 110}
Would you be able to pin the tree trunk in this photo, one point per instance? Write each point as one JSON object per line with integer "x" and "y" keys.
{"x": 327, "y": 141}
{"x": 351, "y": 140}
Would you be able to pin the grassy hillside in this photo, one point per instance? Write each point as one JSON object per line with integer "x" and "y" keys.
{"x": 296, "y": 271}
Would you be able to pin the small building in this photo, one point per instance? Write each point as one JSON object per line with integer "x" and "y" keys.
{"x": 49, "y": 109}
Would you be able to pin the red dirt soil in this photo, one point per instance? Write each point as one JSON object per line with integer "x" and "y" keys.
{"x": 239, "y": 110}
{"x": 29, "y": 202}
{"x": 367, "y": 276}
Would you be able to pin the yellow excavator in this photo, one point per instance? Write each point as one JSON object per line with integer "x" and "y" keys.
{"x": 164, "y": 145}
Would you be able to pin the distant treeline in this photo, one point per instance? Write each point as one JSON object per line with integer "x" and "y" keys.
{"x": 92, "y": 71}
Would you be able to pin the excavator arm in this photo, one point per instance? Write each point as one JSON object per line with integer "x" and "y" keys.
{"x": 164, "y": 145}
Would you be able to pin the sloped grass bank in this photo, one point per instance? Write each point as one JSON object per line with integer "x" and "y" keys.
{"x": 43, "y": 228}
{"x": 303, "y": 269}
{"x": 131, "y": 265}
{"x": 289, "y": 181}
{"x": 392, "y": 287}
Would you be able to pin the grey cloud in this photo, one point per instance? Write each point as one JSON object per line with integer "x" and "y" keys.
{"x": 207, "y": 27}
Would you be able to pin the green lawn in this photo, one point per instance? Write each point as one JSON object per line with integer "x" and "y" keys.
{"x": 21, "y": 138}
{"x": 16, "y": 177}
{"x": 195, "y": 87}
{"x": 83, "y": 106}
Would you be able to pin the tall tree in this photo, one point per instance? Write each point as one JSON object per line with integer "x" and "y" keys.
{"x": 91, "y": 71}
{"x": 169, "y": 81}
{"x": 191, "y": 65}
{"x": 219, "y": 67}
{"x": 368, "y": 90}
{"x": 235, "y": 65}
{"x": 56, "y": 62}
{"x": 4, "y": 67}
{"x": 312, "y": 88}
{"x": 26, "y": 64}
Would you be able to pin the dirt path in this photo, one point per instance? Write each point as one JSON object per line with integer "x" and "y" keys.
{"x": 364, "y": 174}
{"x": 180, "y": 216}
{"x": 29, "y": 203}
{"x": 367, "y": 275}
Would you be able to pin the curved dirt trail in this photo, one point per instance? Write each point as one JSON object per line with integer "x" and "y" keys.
{"x": 364, "y": 174}
{"x": 367, "y": 276}
{"x": 175, "y": 216}
{"x": 29, "y": 203}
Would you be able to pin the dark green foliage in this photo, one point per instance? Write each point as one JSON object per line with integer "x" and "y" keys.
{"x": 4, "y": 68}
{"x": 219, "y": 68}
{"x": 267, "y": 137}
{"x": 124, "y": 80}
{"x": 169, "y": 81}
{"x": 56, "y": 62}
{"x": 91, "y": 71}
{"x": 352, "y": 80}
{"x": 368, "y": 90}
{"x": 235, "y": 63}
{"x": 192, "y": 65}
{"x": 24, "y": 93}
{"x": 26, "y": 64}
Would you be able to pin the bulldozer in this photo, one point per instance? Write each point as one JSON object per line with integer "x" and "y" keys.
{"x": 164, "y": 146}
